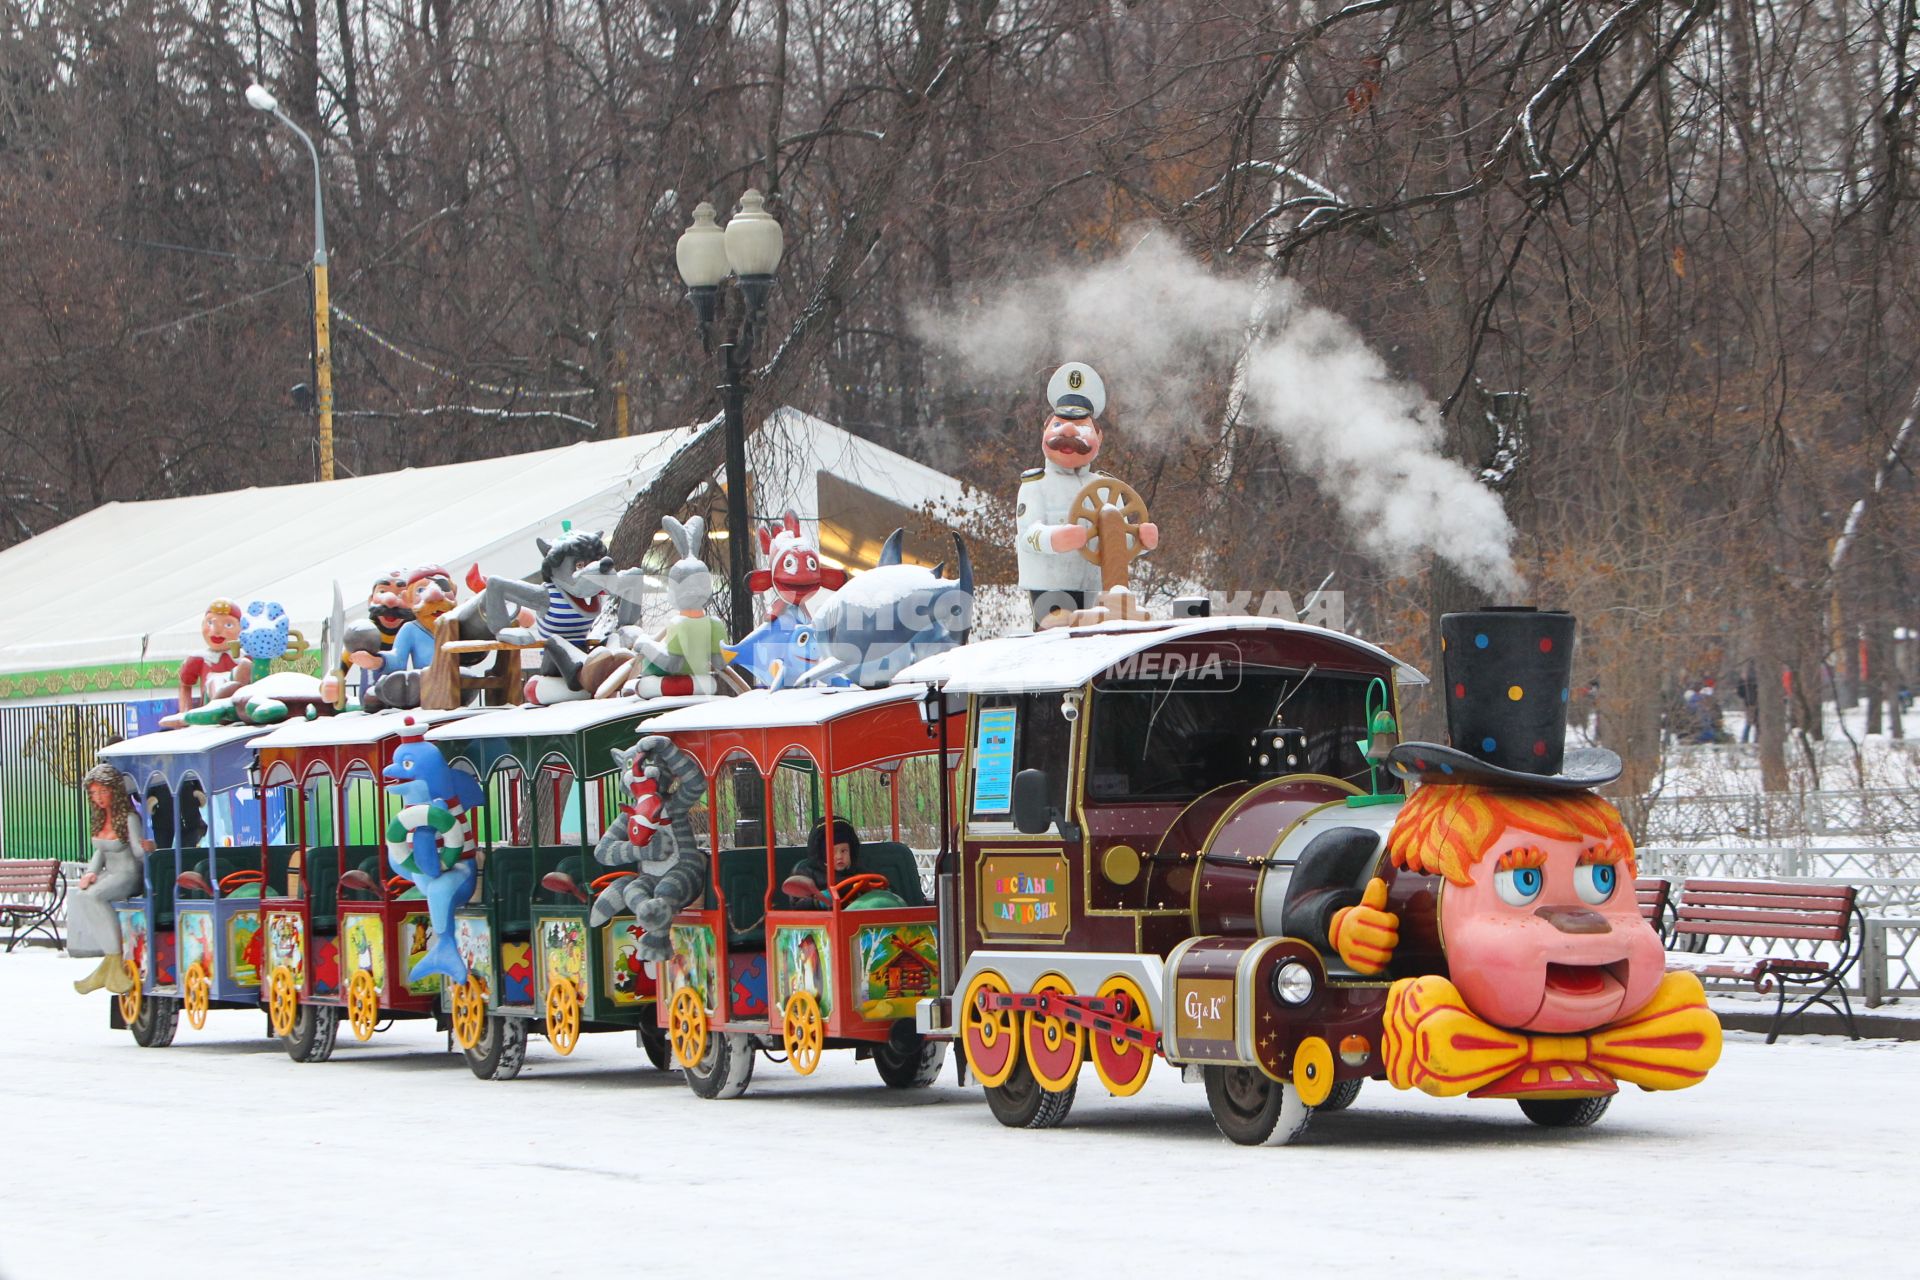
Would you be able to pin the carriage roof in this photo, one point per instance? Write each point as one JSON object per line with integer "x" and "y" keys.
{"x": 215, "y": 755}
{"x": 582, "y": 733}
{"x": 837, "y": 728}
{"x": 1062, "y": 658}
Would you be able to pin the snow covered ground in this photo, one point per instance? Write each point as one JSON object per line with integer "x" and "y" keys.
{"x": 221, "y": 1157}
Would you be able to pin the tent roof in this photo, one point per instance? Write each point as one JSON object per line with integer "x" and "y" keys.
{"x": 128, "y": 581}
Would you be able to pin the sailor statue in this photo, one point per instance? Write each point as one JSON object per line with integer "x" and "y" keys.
{"x": 1052, "y": 569}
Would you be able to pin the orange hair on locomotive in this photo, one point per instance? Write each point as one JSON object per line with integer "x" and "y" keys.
{"x": 1445, "y": 830}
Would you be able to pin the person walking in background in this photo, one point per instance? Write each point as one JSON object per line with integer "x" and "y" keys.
{"x": 1748, "y": 688}
{"x": 93, "y": 927}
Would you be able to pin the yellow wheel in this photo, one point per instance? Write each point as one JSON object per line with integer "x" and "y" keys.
{"x": 283, "y": 1000}
{"x": 563, "y": 1015}
{"x": 687, "y": 1027}
{"x": 1121, "y": 1064}
{"x": 197, "y": 984}
{"x": 469, "y": 1012}
{"x": 363, "y": 1004}
{"x": 989, "y": 1037}
{"x": 1055, "y": 1048}
{"x": 1313, "y": 1071}
{"x": 131, "y": 998}
{"x": 803, "y": 1031}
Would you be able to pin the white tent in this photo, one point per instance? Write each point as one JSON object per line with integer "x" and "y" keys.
{"x": 127, "y": 582}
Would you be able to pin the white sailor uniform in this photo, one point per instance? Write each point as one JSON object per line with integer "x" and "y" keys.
{"x": 1044, "y": 505}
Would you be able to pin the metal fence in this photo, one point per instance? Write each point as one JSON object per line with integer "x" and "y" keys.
{"x": 44, "y": 752}
{"x": 1887, "y": 881}
{"x": 1887, "y": 813}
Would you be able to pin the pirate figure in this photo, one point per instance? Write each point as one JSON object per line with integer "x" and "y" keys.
{"x": 1052, "y": 569}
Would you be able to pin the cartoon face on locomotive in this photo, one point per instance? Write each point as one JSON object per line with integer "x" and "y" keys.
{"x": 1172, "y": 843}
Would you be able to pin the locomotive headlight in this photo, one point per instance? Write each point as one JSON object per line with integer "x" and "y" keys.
{"x": 1293, "y": 983}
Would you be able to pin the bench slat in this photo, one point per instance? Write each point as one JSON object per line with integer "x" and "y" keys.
{"x": 1729, "y": 915}
{"x": 1836, "y": 906}
{"x": 1763, "y": 887}
{"x": 1718, "y": 930}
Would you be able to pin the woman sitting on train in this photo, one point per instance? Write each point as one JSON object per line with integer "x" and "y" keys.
{"x": 807, "y": 886}
{"x": 93, "y": 927}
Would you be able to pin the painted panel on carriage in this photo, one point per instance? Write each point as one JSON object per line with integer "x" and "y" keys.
{"x": 626, "y": 976}
{"x": 133, "y": 935}
{"x": 692, "y": 964}
{"x": 474, "y": 941}
{"x": 286, "y": 942}
{"x": 196, "y": 941}
{"x": 243, "y": 948}
{"x": 415, "y": 938}
{"x": 326, "y": 965}
{"x": 894, "y": 966}
{"x": 1023, "y": 896}
{"x": 563, "y": 953}
{"x": 803, "y": 961}
{"x": 747, "y": 985}
{"x": 516, "y": 973}
{"x": 361, "y": 938}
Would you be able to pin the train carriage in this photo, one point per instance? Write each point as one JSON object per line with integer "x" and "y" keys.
{"x": 193, "y": 936}
{"x": 753, "y": 968}
{"x": 535, "y": 960}
{"x": 341, "y": 932}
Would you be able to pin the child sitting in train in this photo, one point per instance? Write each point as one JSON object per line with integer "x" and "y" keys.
{"x": 807, "y": 885}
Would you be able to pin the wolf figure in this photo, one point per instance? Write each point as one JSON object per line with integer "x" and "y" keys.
{"x": 654, "y": 836}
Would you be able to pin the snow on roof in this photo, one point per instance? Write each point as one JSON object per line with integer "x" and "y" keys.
{"x": 194, "y": 739}
{"x": 355, "y": 728}
{"x": 780, "y": 708}
{"x": 157, "y": 564}
{"x": 558, "y": 720}
{"x": 1068, "y": 657}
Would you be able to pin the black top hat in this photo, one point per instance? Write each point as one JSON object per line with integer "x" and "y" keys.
{"x": 1507, "y": 686}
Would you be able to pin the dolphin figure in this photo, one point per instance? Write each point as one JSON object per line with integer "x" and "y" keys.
{"x": 890, "y": 617}
{"x": 436, "y": 796}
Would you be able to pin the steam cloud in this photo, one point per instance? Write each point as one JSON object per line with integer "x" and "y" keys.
{"x": 1157, "y": 324}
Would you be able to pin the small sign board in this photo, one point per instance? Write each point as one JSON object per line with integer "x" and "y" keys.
{"x": 993, "y": 761}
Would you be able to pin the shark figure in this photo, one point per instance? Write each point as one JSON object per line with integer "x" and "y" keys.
{"x": 428, "y": 842}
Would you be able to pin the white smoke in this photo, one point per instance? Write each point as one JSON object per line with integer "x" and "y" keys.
{"x": 1159, "y": 327}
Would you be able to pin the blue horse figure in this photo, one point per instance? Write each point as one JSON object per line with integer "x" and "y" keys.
{"x": 425, "y": 841}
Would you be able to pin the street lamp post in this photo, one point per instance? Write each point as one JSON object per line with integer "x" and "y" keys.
{"x": 260, "y": 100}
{"x": 749, "y": 250}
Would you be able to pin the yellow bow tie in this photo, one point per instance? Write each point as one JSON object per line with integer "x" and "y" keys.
{"x": 1434, "y": 1043}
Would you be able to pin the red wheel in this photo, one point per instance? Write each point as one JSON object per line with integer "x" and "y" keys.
{"x": 989, "y": 1037}
{"x": 1055, "y": 1048}
{"x": 1121, "y": 1064}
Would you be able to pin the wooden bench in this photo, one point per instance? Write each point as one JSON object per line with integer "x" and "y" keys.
{"x": 1773, "y": 911}
{"x": 1655, "y": 897}
{"x": 31, "y": 892}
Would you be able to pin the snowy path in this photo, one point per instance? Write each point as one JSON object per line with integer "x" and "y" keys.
{"x": 221, "y": 1154}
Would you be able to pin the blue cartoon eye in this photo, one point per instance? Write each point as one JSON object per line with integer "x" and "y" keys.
{"x": 1518, "y": 886}
{"x": 1595, "y": 881}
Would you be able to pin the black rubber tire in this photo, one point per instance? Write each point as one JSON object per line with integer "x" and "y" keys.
{"x": 1564, "y": 1113}
{"x": 907, "y": 1059}
{"x": 1251, "y": 1109}
{"x": 159, "y": 1019}
{"x": 726, "y": 1068}
{"x": 501, "y": 1050}
{"x": 654, "y": 1043}
{"x": 1021, "y": 1103}
{"x": 1344, "y": 1092}
{"x": 314, "y": 1029}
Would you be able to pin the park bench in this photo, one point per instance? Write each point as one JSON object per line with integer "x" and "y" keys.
{"x": 1773, "y": 912}
{"x": 31, "y": 892}
{"x": 1655, "y": 897}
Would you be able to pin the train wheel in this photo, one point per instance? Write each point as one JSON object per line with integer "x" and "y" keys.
{"x": 283, "y": 1000}
{"x": 132, "y": 998}
{"x": 469, "y": 1001}
{"x": 159, "y": 1019}
{"x": 363, "y": 1004}
{"x": 803, "y": 1032}
{"x": 500, "y": 1050}
{"x": 726, "y": 1067}
{"x": 1564, "y": 1113}
{"x": 1344, "y": 1092}
{"x": 563, "y": 1015}
{"x": 654, "y": 1043}
{"x": 908, "y": 1060}
{"x": 687, "y": 1028}
{"x": 1054, "y": 1047}
{"x": 315, "y": 1028}
{"x": 1313, "y": 1071}
{"x": 989, "y": 1038}
{"x": 1251, "y": 1109}
{"x": 1121, "y": 1064}
{"x": 197, "y": 984}
{"x": 1021, "y": 1102}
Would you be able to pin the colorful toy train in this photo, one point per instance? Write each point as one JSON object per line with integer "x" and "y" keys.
{"x": 1185, "y": 842}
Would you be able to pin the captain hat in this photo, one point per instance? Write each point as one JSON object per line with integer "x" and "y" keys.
{"x": 1075, "y": 391}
